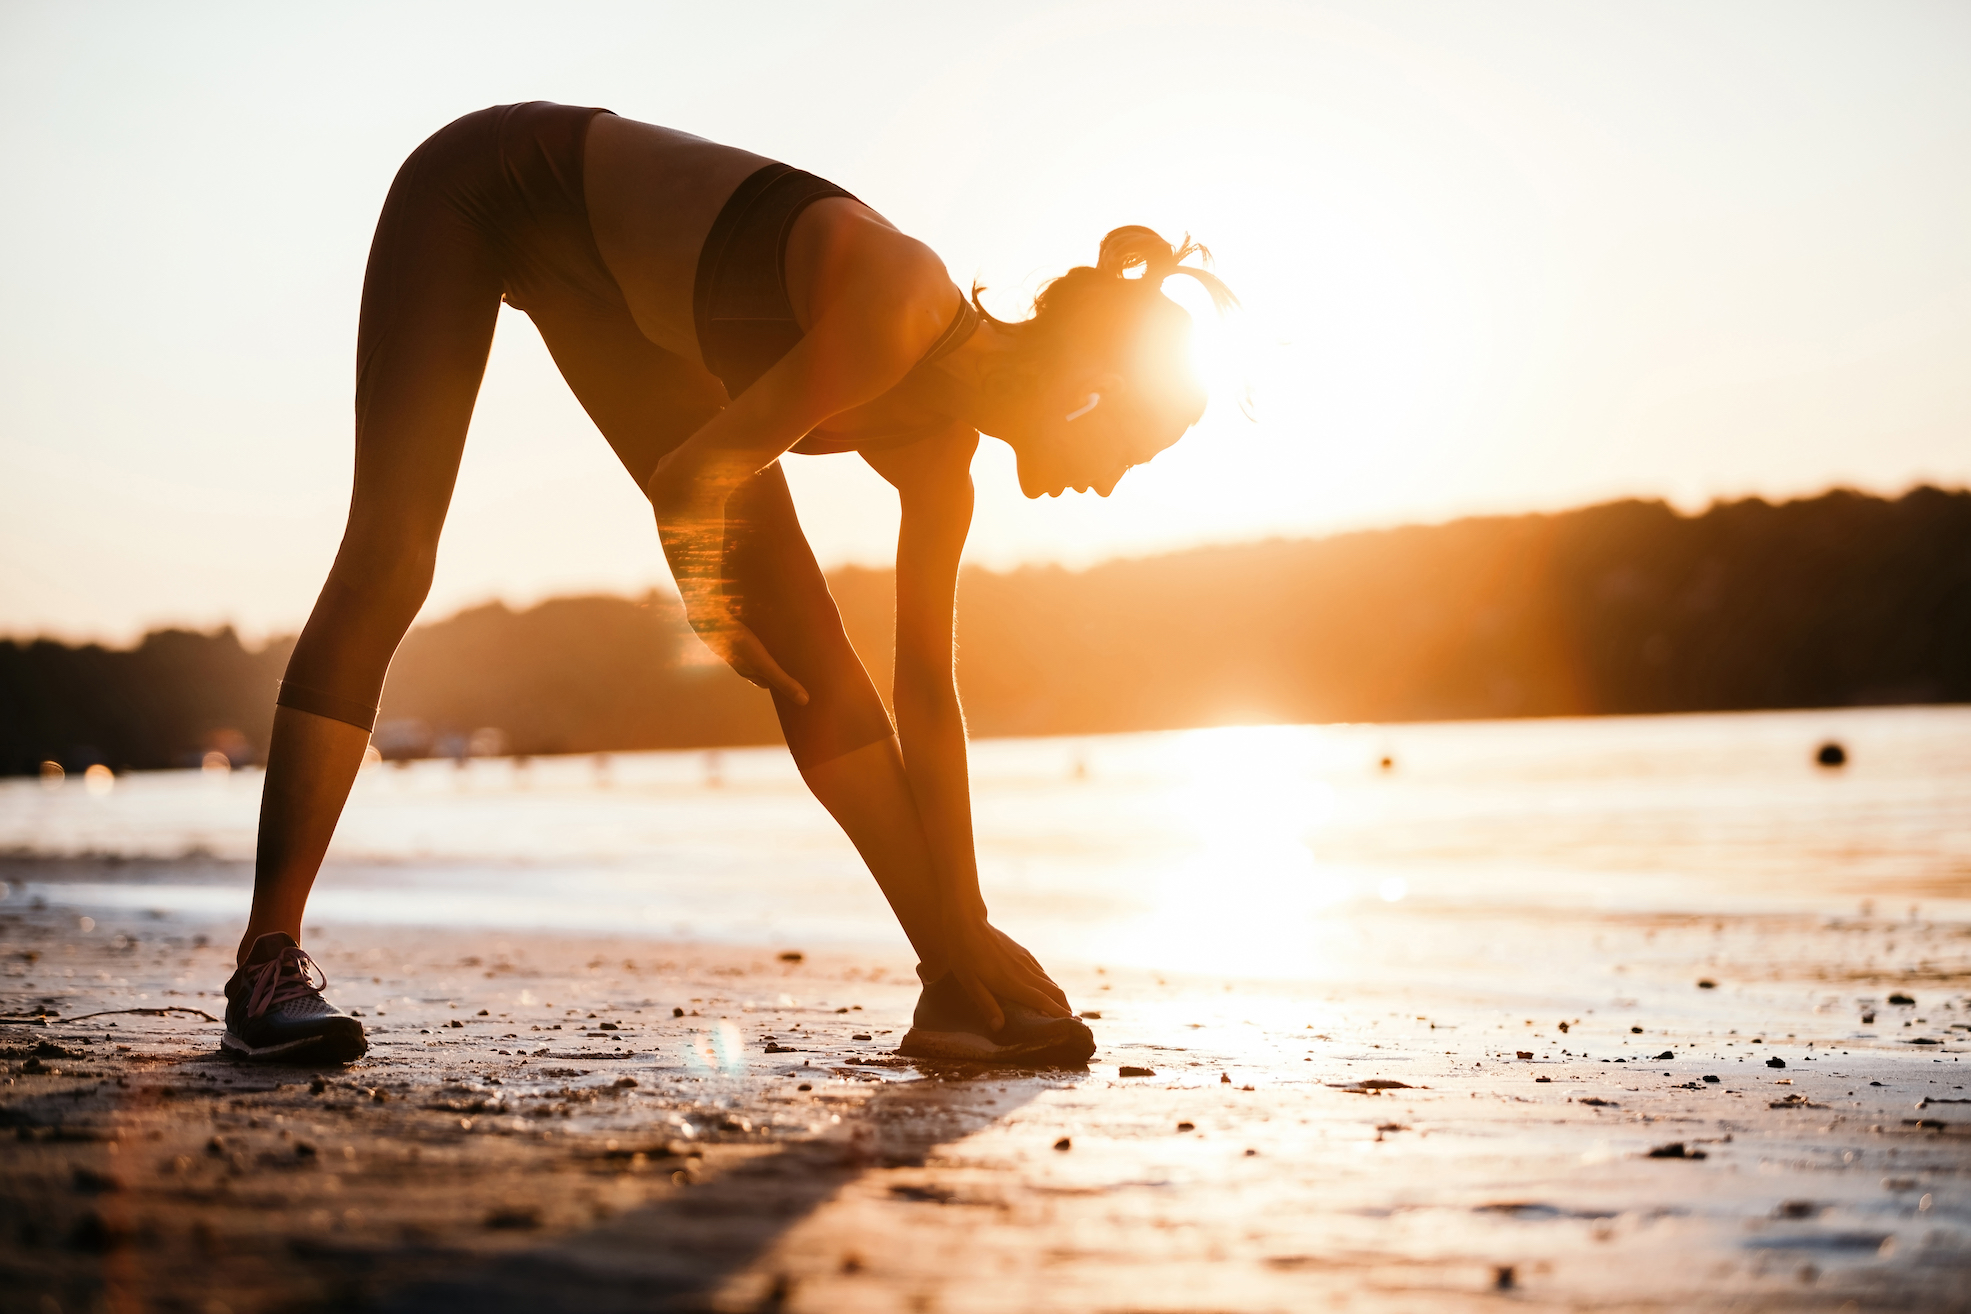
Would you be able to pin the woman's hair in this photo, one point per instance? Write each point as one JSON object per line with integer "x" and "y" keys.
{"x": 1100, "y": 315}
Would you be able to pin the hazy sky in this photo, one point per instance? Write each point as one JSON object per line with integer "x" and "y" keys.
{"x": 1494, "y": 257}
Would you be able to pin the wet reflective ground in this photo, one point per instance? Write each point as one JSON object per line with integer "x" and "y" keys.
{"x": 1366, "y": 1137}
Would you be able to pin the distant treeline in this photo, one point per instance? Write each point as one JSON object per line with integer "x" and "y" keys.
{"x": 1627, "y": 607}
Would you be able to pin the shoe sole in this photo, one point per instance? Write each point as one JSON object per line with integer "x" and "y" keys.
{"x": 970, "y": 1047}
{"x": 334, "y": 1048}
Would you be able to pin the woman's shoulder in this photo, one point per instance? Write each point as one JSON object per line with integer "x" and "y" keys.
{"x": 844, "y": 253}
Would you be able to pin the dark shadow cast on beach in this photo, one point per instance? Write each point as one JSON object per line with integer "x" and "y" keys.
{"x": 677, "y": 1252}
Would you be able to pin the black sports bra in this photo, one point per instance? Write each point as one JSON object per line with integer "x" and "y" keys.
{"x": 739, "y": 305}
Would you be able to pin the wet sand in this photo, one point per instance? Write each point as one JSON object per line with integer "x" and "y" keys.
{"x": 579, "y": 1123}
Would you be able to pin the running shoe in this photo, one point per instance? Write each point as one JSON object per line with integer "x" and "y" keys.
{"x": 947, "y": 1025}
{"x": 275, "y": 1009}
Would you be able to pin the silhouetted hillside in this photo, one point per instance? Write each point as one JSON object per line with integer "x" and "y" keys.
{"x": 1626, "y": 607}
{"x": 166, "y": 702}
{"x": 571, "y": 675}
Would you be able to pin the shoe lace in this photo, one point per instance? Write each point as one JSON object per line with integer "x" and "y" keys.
{"x": 288, "y": 975}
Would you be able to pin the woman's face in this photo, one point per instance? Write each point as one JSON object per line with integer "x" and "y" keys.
{"x": 1091, "y": 451}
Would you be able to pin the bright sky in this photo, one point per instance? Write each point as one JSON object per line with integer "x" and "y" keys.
{"x": 1494, "y": 257}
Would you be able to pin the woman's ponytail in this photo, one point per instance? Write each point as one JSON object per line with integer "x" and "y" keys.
{"x": 1126, "y": 248}
{"x": 1107, "y": 312}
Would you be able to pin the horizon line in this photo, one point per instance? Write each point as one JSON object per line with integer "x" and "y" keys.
{"x": 260, "y": 638}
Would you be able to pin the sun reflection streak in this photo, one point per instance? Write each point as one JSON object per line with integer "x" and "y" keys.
{"x": 1242, "y": 889}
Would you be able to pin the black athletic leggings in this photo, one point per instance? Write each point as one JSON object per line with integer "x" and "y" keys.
{"x": 492, "y": 207}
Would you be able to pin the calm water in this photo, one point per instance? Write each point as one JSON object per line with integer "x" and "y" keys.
{"x": 1229, "y": 848}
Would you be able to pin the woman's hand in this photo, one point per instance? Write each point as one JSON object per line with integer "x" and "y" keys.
{"x": 742, "y": 650}
{"x": 990, "y": 963}
{"x": 689, "y": 494}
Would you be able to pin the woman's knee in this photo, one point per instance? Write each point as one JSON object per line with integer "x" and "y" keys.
{"x": 384, "y": 582}
{"x": 843, "y": 713}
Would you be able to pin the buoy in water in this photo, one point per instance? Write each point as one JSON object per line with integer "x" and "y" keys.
{"x": 1831, "y": 754}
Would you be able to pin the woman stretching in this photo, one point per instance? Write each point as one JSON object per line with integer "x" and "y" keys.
{"x": 711, "y": 310}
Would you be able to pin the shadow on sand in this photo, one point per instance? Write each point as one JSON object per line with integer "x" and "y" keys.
{"x": 677, "y": 1253}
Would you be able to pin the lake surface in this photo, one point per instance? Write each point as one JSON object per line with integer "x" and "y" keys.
{"x": 1252, "y": 850}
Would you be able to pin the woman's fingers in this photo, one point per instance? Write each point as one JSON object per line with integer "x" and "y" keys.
{"x": 1032, "y": 971}
{"x": 1013, "y": 974}
{"x": 1040, "y": 1001}
{"x": 747, "y": 655}
{"x": 982, "y": 1000}
{"x": 1034, "y": 991}
{"x": 1035, "y": 977}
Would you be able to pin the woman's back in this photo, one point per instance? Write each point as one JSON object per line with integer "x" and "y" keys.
{"x": 652, "y": 195}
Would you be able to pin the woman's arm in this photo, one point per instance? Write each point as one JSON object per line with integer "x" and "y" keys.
{"x": 870, "y": 330}
{"x": 934, "y": 481}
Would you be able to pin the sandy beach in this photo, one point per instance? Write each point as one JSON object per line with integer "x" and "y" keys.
{"x": 1415, "y": 557}
{"x": 601, "y": 1123}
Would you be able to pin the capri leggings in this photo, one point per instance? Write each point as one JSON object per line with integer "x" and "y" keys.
{"x": 492, "y": 208}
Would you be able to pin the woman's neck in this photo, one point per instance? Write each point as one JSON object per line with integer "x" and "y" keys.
{"x": 961, "y": 385}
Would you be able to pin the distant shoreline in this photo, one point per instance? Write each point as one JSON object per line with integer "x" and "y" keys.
{"x": 1623, "y": 608}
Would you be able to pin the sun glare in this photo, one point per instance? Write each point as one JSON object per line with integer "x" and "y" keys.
{"x": 1245, "y": 891}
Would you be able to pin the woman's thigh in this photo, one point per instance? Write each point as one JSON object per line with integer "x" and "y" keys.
{"x": 646, "y": 401}
{"x": 431, "y": 295}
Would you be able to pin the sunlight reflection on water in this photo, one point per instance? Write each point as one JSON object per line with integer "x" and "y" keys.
{"x": 1257, "y": 849}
